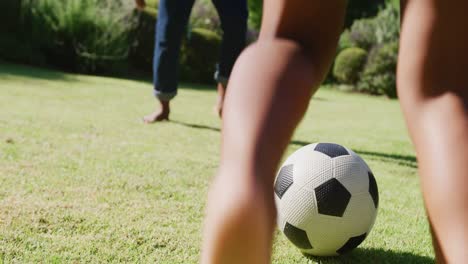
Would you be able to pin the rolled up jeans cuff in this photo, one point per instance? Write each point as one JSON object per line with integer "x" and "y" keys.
{"x": 164, "y": 96}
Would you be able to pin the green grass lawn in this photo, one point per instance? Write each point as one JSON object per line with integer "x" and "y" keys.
{"x": 82, "y": 180}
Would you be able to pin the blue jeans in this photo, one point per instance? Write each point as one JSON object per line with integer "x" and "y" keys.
{"x": 171, "y": 25}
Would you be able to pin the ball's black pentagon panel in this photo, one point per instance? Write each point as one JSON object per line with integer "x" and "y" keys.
{"x": 331, "y": 150}
{"x": 351, "y": 244}
{"x": 332, "y": 198}
{"x": 297, "y": 236}
{"x": 373, "y": 189}
{"x": 284, "y": 180}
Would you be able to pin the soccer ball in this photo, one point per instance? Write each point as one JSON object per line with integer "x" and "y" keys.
{"x": 327, "y": 199}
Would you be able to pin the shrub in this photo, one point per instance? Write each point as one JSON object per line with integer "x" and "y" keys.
{"x": 345, "y": 41}
{"x": 90, "y": 36}
{"x": 255, "y": 13}
{"x": 379, "y": 75}
{"x": 349, "y": 64}
{"x": 387, "y": 25}
{"x": 204, "y": 16}
{"x": 199, "y": 55}
{"x": 372, "y": 35}
{"x": 384, "y": 28}
{"x": 142, "y": 48}
{"x": 363, "y": 33}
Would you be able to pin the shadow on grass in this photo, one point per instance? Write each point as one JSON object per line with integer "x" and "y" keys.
{"x": 196, "y": 126}
{"x": 403, "y": 160}
{"x": 7, "y": 69}
{"x": 380, "y": 256}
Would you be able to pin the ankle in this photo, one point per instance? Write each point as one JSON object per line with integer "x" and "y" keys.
{"x": 165, "y": 106}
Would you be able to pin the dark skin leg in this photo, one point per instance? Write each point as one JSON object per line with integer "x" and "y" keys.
{"x": 432, "y": 85}
{"x": 220, "y": 100}
{"x": 273, "y": 92}
{"x": 433, "y": 88}
{"x": 161, "y": 114}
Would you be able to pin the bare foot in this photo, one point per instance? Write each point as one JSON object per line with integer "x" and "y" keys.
{"x": 159, "y": 115}
{"x": 220, "y": 100}
{"x": 156, "y": 116}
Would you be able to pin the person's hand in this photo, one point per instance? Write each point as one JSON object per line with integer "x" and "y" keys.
{"x": 141, "y": 4}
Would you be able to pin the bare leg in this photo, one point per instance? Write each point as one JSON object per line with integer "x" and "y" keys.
{"x": 268, "y": 94}
{"x": 161, "y": 113}
{"x": 433, "y": 87}
{"x": 220, "y": 99}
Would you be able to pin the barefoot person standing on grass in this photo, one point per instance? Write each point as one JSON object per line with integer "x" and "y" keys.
{"x": 173, "y": 17}
{"x": 270, "y": 90}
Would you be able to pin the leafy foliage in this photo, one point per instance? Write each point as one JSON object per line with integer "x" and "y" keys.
{"x": 349, "y": 64}
{"x": 81, "y": 35}
{"x": 379, "y": 75}
{"x": 379, "y": 36}
{"x": 362, "y": 33}
{"x": 90, "y": 36}
{"x": 199, "y": 55}
{"x": 205, "y": 16}
{"x": 255, "y": 13}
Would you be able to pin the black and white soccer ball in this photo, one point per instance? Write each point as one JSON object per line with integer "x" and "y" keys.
{"x": 327, "y": 199}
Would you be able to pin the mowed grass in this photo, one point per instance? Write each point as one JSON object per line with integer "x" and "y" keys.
{"x": 82, "y": 180}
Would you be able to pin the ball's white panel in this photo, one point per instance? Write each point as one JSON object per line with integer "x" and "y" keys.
{"x": 360, "y": 159}
{"x": 300, "y": 152}
{"x": 352, "y": 174}
{"x": 311, "y": 168}
{"x": 280, "y": 209}
{"x": 314, "y": 170}
{"x": 360, "y": 214}
{"x": 326, "y": 234}
{"x": 297, "y": 207}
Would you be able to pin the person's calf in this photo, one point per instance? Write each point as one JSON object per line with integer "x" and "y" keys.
{"x": 438, "y": 125}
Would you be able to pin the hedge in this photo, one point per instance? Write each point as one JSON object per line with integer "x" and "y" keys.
{"x": 349, "y": 64}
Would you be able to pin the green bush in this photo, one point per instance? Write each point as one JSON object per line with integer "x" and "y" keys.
{"x": 204, "y": 16}
{"x": 349, "y": 64}
{"x": 373, "y": 35}
{"x": 90, "y": 36}
{"x": 384, "y": 28}
{"x": 379, "y": 75}
{"x": 152, "y": 8}
{"x": 199, "y": 55}
{"x": 387, "y": 25}
{"x": 142, "y": 49}
{"x": 345, "y": 41}
{"x": 255, "y": 13}
{"x": 362, "y": 33}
